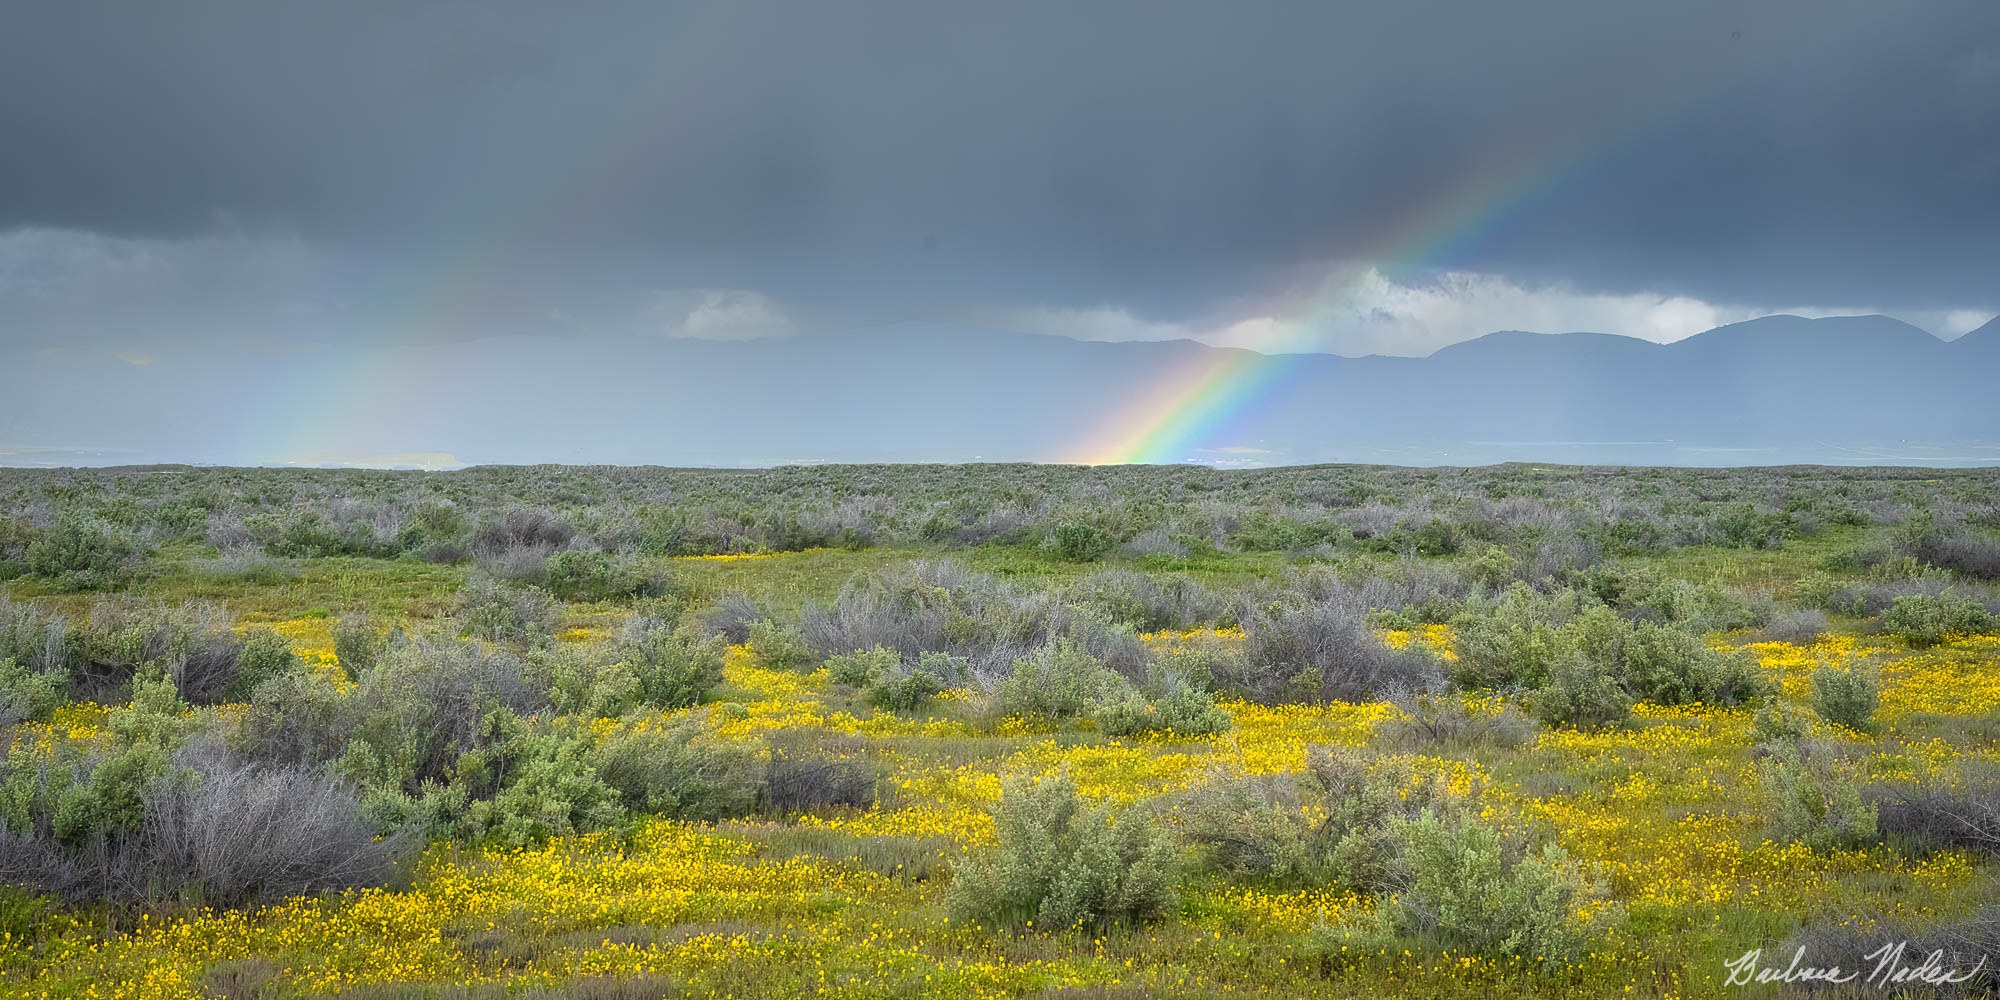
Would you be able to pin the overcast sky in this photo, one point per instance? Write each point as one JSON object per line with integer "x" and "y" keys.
{"x": 1347, "y": 177}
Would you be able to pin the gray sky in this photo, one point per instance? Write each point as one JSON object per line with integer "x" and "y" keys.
{"x": 1358, "y": 178}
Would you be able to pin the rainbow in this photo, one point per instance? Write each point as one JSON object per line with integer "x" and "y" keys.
{"x": 1188, "y": 411}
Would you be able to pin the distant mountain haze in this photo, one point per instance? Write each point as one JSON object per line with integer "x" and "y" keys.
{"x": 1778, "y": 390}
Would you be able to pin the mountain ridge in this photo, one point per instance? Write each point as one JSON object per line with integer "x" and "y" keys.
{"x": 1774, "y": 391}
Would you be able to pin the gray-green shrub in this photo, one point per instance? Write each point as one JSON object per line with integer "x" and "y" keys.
{"x": 495, "y": 612}
{"x": 1060, "y": 681}
{"x": 81, "y": 553}
{"x": 1060, "y": 864}
{"x": 1926, "y": 620}
{"x": 27, "y": 694}
{"x": 1815, "y": 798}
{"x": 1846, "y": 696}
{"x": 675, "y": 665}
{"x": 682, "y": 770}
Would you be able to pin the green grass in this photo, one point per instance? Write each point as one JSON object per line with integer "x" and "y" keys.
{"x": 1770, "y": 570}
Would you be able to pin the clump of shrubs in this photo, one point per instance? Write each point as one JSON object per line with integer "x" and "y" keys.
{"x": 805, "y": 772}
{"x": 904, "y": 687}
{"x": 517, "y": 544}
{"x": 1846, "y": 696}
{"x": 82, "y": 553}
{"x": 1928, "y": 620}
{"x": 1407, "y": 838}
{"x": 488, "y": 609}
{"x": 1322, "y": 650}
{"x": 889, "y": 683}
{"x": 1815, "y": 797}
{"x": 1147, "y": 602}
{"x": 1332, "y": 825}
{"x": 673, "y": 665}
{"x": 776, "y": 644}
{"x": 731, "y": 616}
{"x": 27, "y": 694}
{"x": 940, "y": 607}
{"x": 1169, "y": 702}
{"x": 356, "y": 645}
{"x": 1470, "y": 887}
{"x": 1062, "y": 682}
{"x": 1800, "y": 627}
{"x": 1958, "y": 809}
{"x": 682, "y": 770}
{"x": 1585, "y": 664}
{"x": 1949, "y": 546}
{"x": 589, "y": 575}
{"x": 154, "y": 813}
{"x": 1060, "y": 864}
{"x": 1079, "y": 541}
{"x": 1059, "y": 683}
{"x": 1436, "y": 718}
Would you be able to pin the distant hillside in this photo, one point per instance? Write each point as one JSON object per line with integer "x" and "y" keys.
{"x": 1775, "y": 390}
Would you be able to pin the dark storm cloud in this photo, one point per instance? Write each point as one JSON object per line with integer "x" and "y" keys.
{"x": 915, "y": 156}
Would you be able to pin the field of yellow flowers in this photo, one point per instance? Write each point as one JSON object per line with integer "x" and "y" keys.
{"x": 848, "y": 905}
{"x": 1666, "y": 811}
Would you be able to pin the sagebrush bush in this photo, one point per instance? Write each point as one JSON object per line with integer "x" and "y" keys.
{"x": 941, "y": 607}
{"x": 525, "y": 784}
{"x": 404, "y": 730}
{"x": 1434, "y": 718}
{"x": 904, "y": 688}
{"x": 1927, "y": 620}
{"x": 356, "y": 645}
{"x": 1061, "y": 681}
{"x": 495, "y": 612}
{"x": 1949, "y": 546}
{"x": 1060, "y": 864}
{"x": 731, "y": 616}
{"x": 675, "y": 665}
{"x": 1815, "y": 798}
{"x": 80, "y": 553}
{"x": 1147, "y": 602}
{"x": 1079, "y": 541}
{"x": 1673, "y": 666}
{"x": 39, "y": 641}
{"x": 590, "y": 575}
{"x": 585, "y": 681}
{"x": 1332, "y": 825}
{"x": 1958, "y": 810}
{"x": 776, "y": 644}
{"x": 861, "y": 667}
{"x": 265, "y": 654}
{"x": 682, "y": 770}
{"x": 1775, "y": 725}
{"x": 191, "y": 643}
{"x": 522, "y": 530}
{"x": 1586, "y": 664}
{"x": 139, "y": 821}
{"x": 1512, "y": 641}
{"x": 1847, "y": 696}
{"x": 1471, "y": 888}
{"x": 1582, "y": 693}
{"x": 27, "y": 694}
{"x": 1799, "y": 626}
{"x": 1323, "y": 651}
{"x": 1169, "y": 702}
{"x": 805, "y": 772}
